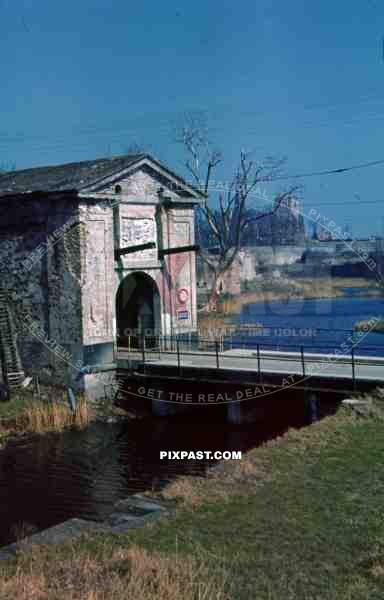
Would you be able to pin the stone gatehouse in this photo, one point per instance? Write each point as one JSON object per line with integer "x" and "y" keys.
{"x": 73, "y": 275}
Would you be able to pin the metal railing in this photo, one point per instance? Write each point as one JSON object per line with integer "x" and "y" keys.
{"x": 180, "y": 350}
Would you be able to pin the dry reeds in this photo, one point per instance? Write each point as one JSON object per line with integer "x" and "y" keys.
{"x": 127, "y": 574}
{"x": 213, "y": 326}
{"x": 40, "y": 417}
{"x": 290, "y": 288}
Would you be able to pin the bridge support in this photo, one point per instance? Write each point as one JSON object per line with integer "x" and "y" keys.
{"x": 162, "y": 409}
{"x": 234, "y": 413}
{"x": 312, "y": 401}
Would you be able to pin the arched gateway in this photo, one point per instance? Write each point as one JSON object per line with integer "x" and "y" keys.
{"x": 138, "y": 316}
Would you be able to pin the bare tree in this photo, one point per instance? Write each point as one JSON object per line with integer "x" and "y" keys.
{"x": 229, "y": 220}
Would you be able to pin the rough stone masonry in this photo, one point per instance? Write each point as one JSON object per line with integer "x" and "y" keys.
{"x": 70, "y": 290}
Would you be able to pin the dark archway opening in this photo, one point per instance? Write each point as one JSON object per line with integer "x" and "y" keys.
{"x": 137, "y": 311}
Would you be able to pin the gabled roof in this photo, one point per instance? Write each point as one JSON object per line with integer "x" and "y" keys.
{"x": 85, "y": 176}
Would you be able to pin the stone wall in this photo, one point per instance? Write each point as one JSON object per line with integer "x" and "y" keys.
{"x": 98, "y": 282}
{"x": 139, "y": 218}
{"x": 182, "y": 267}
{"x": 57, "y": 255}
{"x": 33, "y": 265}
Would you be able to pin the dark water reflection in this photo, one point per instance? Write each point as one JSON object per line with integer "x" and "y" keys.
{"x": 45, "y": 480}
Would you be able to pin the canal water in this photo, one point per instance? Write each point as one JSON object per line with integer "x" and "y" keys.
{"x": 46, "y": 479}
{"x": 316, "y": 325}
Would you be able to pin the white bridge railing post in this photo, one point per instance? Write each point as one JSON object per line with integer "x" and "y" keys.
{"x": 353, "y": 369}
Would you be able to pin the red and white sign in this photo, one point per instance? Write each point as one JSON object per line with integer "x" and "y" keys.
{"x": 182, "y": 295}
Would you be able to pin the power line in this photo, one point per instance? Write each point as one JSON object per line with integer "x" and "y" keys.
{"x": 346, "y": 203}
{"x": 61, "y": 146}
{"x": 330, "y": 171}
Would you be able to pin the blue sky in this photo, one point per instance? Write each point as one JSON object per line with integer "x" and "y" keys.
{"x": 298, "y": 79}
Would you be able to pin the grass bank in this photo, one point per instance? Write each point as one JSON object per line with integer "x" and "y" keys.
{"x": 298, "y": 518}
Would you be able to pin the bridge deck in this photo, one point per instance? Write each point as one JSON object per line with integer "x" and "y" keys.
{"x": 363, "y": 368}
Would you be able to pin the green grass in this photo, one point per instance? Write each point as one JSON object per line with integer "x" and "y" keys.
{"x": 299, "y": 518}
{"x": 15, "y": 406}
{"x": 315, "y": 530}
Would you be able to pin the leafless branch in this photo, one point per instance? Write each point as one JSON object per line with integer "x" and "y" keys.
{"x": 227, "y": 222}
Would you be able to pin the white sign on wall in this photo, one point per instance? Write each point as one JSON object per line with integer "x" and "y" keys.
{"x": 135, "y": 232}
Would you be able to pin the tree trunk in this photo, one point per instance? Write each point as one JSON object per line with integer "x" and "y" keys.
{"x": 214, "y": 294}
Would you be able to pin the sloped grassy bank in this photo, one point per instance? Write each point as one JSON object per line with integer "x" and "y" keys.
{"x": 300, "y": 517}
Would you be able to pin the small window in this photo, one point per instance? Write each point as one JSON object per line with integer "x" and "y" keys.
{"x": 117, "y": 189}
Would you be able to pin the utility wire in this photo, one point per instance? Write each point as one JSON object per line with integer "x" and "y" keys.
{"x": 330, "y": 171}
{"x": 347, "y": 203}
